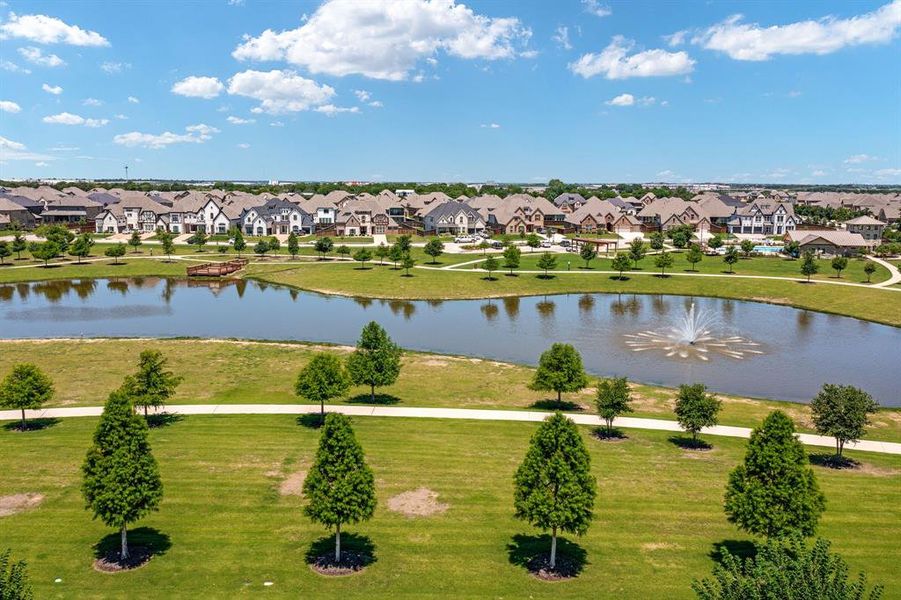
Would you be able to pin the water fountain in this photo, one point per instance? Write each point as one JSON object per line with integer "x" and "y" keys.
{"x": 692, "y": 337}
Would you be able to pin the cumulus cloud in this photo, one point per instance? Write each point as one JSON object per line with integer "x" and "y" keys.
{"x": 676, "y": 39}
{"x": 37, "y": 57}
{"x": 561, "y": 38}
{"x": 890, "y": 172}
{"x": 596, "y": 8}
{"x": 9, "y": 106}
{"x": 279, "y": 91}
{"x": 751, "y": 41}
{"x": 621, "y": 100}
{"x": 133, "y": 100}
{"x": 12, "y": 67}
{"x": 384, "y": 39}
{"x": 113, "y": 68}
{"x": 490, "y": 126}
{"x": 615, "y": 62}
{"x": 52, "y": 89}
{"x": 65, "y": 118}
{"x": 362, "y": 95}
{"x": 331, "y": 110}
{"x": 92, "y": 102}
{"x": 198, "y": 87}
{"x": 195, "y": 134}
{"x": 856, "y": 159}
{"x": 49, "y": 30}
{"x": 10, "y": 150}
{"x": 239, "y": 121}
{"x": 244, "y": 146}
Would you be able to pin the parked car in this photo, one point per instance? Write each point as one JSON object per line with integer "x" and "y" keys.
{"x": 545, "y": 244}
{"x": 462, "y": 240}
{"x": 497, "y": 245}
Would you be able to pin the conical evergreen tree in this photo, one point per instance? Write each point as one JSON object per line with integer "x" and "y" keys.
{"x": 340, "y": 488}
{"x": 774, "y": 492}
{"x": 121, "y": 478}
{"x": 376, "y": 361}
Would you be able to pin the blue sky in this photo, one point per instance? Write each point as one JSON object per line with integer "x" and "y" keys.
{"x": 589, "y": 91}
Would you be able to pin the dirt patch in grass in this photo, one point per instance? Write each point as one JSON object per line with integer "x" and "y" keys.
{"x": 422, "y": 502}
{"x": 351, "y": 562}
{"x": 16, "y": 503}
{"x": 653, "y": 546}
{"x": 433, "y": 362}
{"x": 293, "y": 484}
{"x": 138, "y": 556}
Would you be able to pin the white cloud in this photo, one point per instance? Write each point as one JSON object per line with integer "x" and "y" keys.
{"x": 133, "y": 100}
{"x": 331, "y": 110}
{"x": 236, "y": 2}
{"x": 196, "y": 134}
{"x": 362, "y": 95}
{"x": 856, "y": 159}
{"x": 376, "y": 104}
{"x": 384, "y": 39}
{"x": 676, "y": 39}
{"x": 121, "y": 117}
{"x": 113, "y": 68}
{"x": 818, "y": 173}
{"x": 279, "y": 91}
{"x": 10, "y": 150}
{"x": 65, "y": 149}
{"x": 12, "y": 67}
{"x": 239, "y": 121}
{"x": 490, "y": 126}
{"x": 52, "y": 89}
{"x": 621, "y": 100}
{"x": 244, "y": 146}
{"x": 198, "y": 87}
{"x": 49, "y": 30}
{"x": 9, "y": 106}
{"x": 37, "y": 57}
{"x": 276, "y": 124}
{"x": 744, "y": 41}
{"x": 41, "y": 164}
{"x": 614, "y": 62}
{"x": 65, "y": 118}
{"x": 882, "y": 173}
{"x": 92, "y": 102}
{"x": 596, "y": 8}
{"x": 561, "y": 37}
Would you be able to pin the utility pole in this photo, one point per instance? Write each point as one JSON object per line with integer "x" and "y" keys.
{"x": 126, "y": 172}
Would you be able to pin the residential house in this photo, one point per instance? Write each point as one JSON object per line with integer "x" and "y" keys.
{"x": 453, "y": 217}
{"x": 869, "y": 228}
{"x": 828, "y": 241}
{"x": 276, "y": 217}
{"x": 764, "y": 217}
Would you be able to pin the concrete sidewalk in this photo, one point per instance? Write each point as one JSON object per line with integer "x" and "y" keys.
{"x": 444, "y": 413}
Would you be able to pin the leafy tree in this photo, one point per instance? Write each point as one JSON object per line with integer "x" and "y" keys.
{"x": 680, "y": 237}
{"x": 152, "y": 385}
{"x": 238, "y": 242}
{"x": 274, "y": 244}
{"x": 361, "y": 256}
{"x": 731, "y": 257}
{"x": 483, "y": 246}
{"x": 869, "y": 269}
{"x": 491, "y": 264}
{"x": 839, "y": 263}
{"x": 404, "y": 243}
{"x": 135, "y": 240}
{"x": 696, "y": 409}
{"x": 809, "y": 265}
{"x": 587, "y": 253}
{"x": 784, "y": 569}
{"x": 657, "y": 240}
{"x": 121, "y": 478}
{"x": 547, "y": 262}
{"x": 637, "y": 250}
{"x": 115, "y": 252}
{"x": 26, "y": 387}
{"x": 324, "y": 378}
{"x": 45, "y": 251}
{"x": 747, "y": 247}
{"x": 840, "y": 411}
{"x": 381, "y": 252}
{"x": 81, "y": 247}
{"x": 168, "y": 242}
{"x": 774, "y": 492}
{"x": 19, "y": 245}
{"x": 293, "y": 245}
{"x": 343, "y": 250}
{"x": 198, "y": 239}
{"x": 621, "y": 262}
{"x": 57, "y": 234}
{"x": 613, "y": 399}
{"x": 14, "y": 583}
{"x": 4, "y": 251}
{"x": 512, "y": 255}
{"x": 340, "y": 487}
{"x": 663, "y": 261}
{"x": 554, "y": 488}
{"x": 559, "y": 370}
{"x": 408, "y": 263}
{"x": 323, "y": 246}
{"x": 376, "y": 361}
{"x": 396, "y": 255}
{"x": 533, "y": 241}
{"x": 715, "y": 242}
{"x": 792, "y": 248}
{"x": 434, "y": 248}
{"x": 694, "y": 256}
{"x": 261, "y": 248}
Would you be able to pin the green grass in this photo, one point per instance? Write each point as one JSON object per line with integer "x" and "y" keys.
{"x": 658, "y": 515}
{"x": 264, "y": 373}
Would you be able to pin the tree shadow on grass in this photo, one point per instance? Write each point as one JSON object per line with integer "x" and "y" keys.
{"x": 688, "y": 443}
{"x": 618, "y": 278}
{"x": 49, "y": 266}
{"x": 32, "y": 424}
{"x": 164, "y": 419}
{"x": 604, "y": 434}
{"x": 379, "y": 399}
{"x": 143, "y": 544}
{"x": 548, "y": 276}
{"x": 528, "y": 551}
{"x": 832, "y": 461}
{"x": 310, "y": 420}
{"x": 511, "y": 274}
{"x": 739, "y": 548}
{"x": 359, "y": 545}
{"x": 552, "y": 404}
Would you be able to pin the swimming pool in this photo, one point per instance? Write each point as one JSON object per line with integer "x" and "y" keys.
{"x": 768, "y": 249}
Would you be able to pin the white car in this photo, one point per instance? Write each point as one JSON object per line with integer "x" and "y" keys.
{"x": 545, "y": 244}
{"x": 462, "y": 240}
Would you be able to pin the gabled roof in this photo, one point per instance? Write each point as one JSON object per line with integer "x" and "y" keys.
{"x": 452, "y": 208}
{"x": 864, "y": 220}
{"x": 840, "y": 238}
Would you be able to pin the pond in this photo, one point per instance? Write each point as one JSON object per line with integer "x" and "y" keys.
{"x": 794, "y": 351}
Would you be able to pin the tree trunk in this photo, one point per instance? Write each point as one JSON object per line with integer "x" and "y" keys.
{"x": 145, "y": 411}
{"x": 24, "y": 424}
{"x": 322, "y": 410}
{"x": 840, "y": 445}
{"x": 559, "y": 397}
{"x": 553, "y": 548}
{"x": 123, "y": 554}
{"x": 372, "y": 393}
{"x": 338, "y": 543}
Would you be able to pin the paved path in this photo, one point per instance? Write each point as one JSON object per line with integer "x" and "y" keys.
{"x": 896, "y": 275}
{"x": 442, "y": 413}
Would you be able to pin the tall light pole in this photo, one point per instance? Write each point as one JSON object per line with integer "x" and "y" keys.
{"x": 126, "y": 172}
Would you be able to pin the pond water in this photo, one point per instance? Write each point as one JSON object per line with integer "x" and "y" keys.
{"x": 794, "y": 351}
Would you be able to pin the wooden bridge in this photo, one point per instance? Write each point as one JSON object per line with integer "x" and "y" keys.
{"x": 217, "y": 269}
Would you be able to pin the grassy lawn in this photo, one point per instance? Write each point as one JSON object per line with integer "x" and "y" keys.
{"x": 264, "y": 373}
{"x": 227, "y": 528}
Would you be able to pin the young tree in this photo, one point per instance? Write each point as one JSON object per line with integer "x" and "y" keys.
{"x": 344, "y": 251}
{"x": 167, "y": 241}
{"x": 381, "y": 252}
{"x": 376, "y": 361}
{"x": 261, "y": 248}
{"x": 45, "y": 251}
{"x": 26, "y": 387}
{"x": 554, "y": 488}
{"x": 621, "y": 262}
{"x": 839, "y": 263}
{"x": 404, "y": 243}
{"x": 841, "y": 411}
{"x": 512, "y": 255}
{"x": 152, "y": 385}
{"x": 792, "y": 248}
{"x": 559, "y": 370}
{"x": 324, "y": 378}
{"x": 694, "y": 256}
{"x": 19, "y": 245}
{"x": 715, "y": 242}
{"x": 274, "y": 244}
{"x": 238, "y": 242}
{"x": 663, "y": 261}
{"x": 613, "y": 399}
{"x": 696, "y": 409}
{"x": 483, "y": 246}
{"x": 533, "y": 241}
{"x": 547, "y": 261}
{"x": 784, "y": 569}
{"x": 198, "y": 239}
{"x": 115, "y": 252}
{"x": 637, "y": 250}
{"x": 121, "y": 478}
{"x": 293, "y": 245}
{"x": 747, "y": 247}
{"x": 869, "y": 269}
{"x": 396, "y": 255}
{"x": 587, "y": 253}
{"x": 491, "y": 264}
{"x": 81, "y": 247}
{"x": 657, "y": 240}
{"x": 323, "y": 246}
{"x": 407, "y": 263}
{"x": 14, "y": 583}
{"x": 434, "y": 248}
{"x": 340, "y": 487}
{"x": 58, "y": 234}
{"x": 361, "y": 256}
{"x": 134, "y": 241}
{"x": 731, "y": 257}
{"x": 809, "y": 265}
{"x": 774, "y": 492}
{"x": 680, "y": 237}
{"x": 5, "y": 251}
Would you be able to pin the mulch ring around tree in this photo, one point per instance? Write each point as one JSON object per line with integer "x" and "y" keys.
{"x": 540, "y": 568}
{"x": 138, "y": 556}
{"x": 351, "y": 562}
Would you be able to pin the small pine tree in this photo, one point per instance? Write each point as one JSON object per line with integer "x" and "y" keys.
{"x": 134, "y": 241}
{"x": 14, "y": 584}
{"x": 168, "y": 243}
{"x": 559, "y": 370}
{"x": 554, "y": 487}
{"x": 376, "y": 361}
{"x": 613, "y": 399}
{"x": 19, "y": 245}
{"x": 512, "y": 256}
{"x": 774, "y": 492}
{"x": 238, "y": 242}
{"x": 637, "y": 250}
{"x": 809, "y": 265}
{"x": 547, "y": 262}
{"x": 408, "y": 263}
{"x": 152, "y": 385}
{"x": 121, "y": 478}
{"x": 694, "y": 256}
{"x": 696, "y": 409}
{"x": 587, "y": 253}
{"x": 293, "y": 245}
{"x": 340, "y": 487}
{"x": 322, "y": 379}
{"x": 26, "y": 387}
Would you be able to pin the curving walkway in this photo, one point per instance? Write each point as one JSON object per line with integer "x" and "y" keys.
{"x": 896, "y": 275}
{"x": 445, "y": 413}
